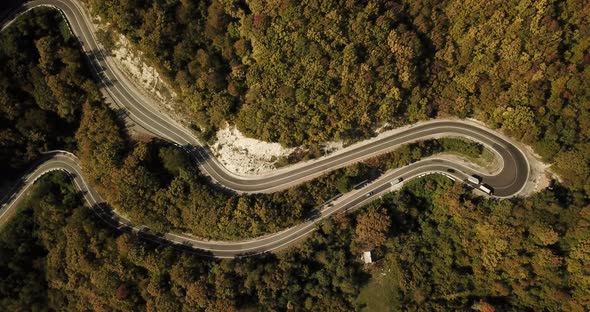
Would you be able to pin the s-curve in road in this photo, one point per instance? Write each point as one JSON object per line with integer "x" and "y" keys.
{"x": 141, "y": 110}
{"x": 65, "y": 161}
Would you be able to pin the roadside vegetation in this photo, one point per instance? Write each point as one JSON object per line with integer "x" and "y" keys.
{"x": 450, "y": 251}
{"x": 435, "y": 247}
{"x": 157, "y": 185}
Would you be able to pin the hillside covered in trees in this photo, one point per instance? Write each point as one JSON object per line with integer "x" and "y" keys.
{"x": 156, "y": 184}
{"x": 43, "y": 83}
{"x": 153, "y": 183}
{"x": 317, "y": 71}
{"x": 303, "y": 73}
{"x": 437, "y": 248}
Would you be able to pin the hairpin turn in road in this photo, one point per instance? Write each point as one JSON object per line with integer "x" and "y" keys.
{"x": 141, "y": 110}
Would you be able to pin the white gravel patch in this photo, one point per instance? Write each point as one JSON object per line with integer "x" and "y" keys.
{"x": 127, "y": 62}
{"x": 247, "y": 156}
{"x": 143, "y": 74}
{"x": 541, "y": 173}
{"x": 383, "y": 128}
{"x": 332, "y": 147}
{"x": 243, "y": 155}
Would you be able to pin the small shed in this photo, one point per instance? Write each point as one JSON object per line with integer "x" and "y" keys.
{"x": 367, "y": 257}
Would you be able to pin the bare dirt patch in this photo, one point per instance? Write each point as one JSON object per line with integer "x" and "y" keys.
{"x": 540, "y": 173}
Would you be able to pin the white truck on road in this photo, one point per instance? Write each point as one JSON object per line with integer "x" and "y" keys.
{"x": 396, "y": 181}
{"x": 486, "y": 189}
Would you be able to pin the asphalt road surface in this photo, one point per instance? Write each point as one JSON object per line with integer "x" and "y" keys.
{"x": 141, "y": 111}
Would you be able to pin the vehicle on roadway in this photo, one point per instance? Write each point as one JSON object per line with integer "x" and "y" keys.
{"x": 369, "y": 194}
{"x": 396, "y": 181}
{"x": 474, "y": 179}
{"x": 486, "y": 189}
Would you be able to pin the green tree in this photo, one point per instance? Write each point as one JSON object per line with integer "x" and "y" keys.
{"x": 371, "y": 229}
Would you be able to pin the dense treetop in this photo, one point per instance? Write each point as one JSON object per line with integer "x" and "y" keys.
{"x": 42, "y": 85}
{"x": 449, "y": 251}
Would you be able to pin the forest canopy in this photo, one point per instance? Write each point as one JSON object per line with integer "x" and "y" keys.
{"x": 316, "y": 71}
{"x": 440, "y": 248}
{"x": 42, "y": 85}
{"x": 520, "y": 66}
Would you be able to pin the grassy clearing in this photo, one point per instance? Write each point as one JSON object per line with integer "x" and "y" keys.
{"x": 382, "y": 291}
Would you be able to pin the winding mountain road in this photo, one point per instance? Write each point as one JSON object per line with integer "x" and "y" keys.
{"x": 142, "y": 111}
